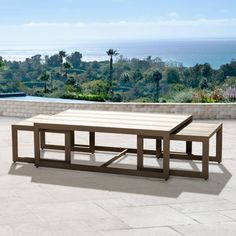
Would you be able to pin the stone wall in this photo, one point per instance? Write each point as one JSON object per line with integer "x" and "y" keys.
{"x": 199, "y": 111}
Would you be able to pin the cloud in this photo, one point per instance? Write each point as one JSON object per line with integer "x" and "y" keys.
{"x": 224, "y": 11}
{"x": 174, "y": 22}
{"x": 45, "y": 32}
{"x": 173, "y": 14}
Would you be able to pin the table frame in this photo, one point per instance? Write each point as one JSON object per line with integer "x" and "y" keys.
{"x": 40, "y": 129}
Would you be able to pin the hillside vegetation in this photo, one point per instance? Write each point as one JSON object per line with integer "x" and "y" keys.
{"x": 118, "y": 79}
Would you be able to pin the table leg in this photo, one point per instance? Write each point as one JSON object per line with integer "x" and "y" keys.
{"x": 14, "y": 144}
{"x": 219, "y": 145}
{"x": 166, "y": 156}
{"x": 139, "y": 152}
{"x": 36, "y": 147}
{"x": 205, "y": 158}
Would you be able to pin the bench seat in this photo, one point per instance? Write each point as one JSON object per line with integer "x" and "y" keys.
{"x": 195, "y": 131}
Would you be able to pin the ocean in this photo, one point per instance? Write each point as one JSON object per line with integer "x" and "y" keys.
{"x": 214, "y": 52}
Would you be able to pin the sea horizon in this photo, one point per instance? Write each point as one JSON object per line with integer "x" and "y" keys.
{"x": 189, "y": 52}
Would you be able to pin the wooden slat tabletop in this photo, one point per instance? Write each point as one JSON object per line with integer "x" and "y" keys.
{"x": 129, "y": 122}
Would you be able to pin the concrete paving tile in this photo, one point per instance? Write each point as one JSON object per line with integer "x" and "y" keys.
{"x": 68, "y": 227}
{"x": 229, "y": 213}
{"x": 231, "y": 182}
{"x": 69, "y": 210}
{"x": 66, "y": 194}
{"x": 228, "y": 194}
{"x": 112, "y": 203}
{"x": 227, "y": 228}
{"x": 29, "y": 230}
{"x": 107, "y": 224}
{"x": 151, "y": 216}
{"x": 53, "y": 229}
{"x": 6, "y": 230}
{"x": 8, "y": 195}
{"x": 141, "y": 232}
{"x": 204, "y": 206}
{"x": 185, "y": 197}
{"x": 35, "y": 195}
{"x": 18, "y": 207}
{"x": 12, "y": 218}
{"x": 208, "y": 217}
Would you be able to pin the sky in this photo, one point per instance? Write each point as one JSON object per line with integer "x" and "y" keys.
{"x": 60, "y": 21}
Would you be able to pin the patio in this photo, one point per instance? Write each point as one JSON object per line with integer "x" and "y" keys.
{"x": 48, "y": 201}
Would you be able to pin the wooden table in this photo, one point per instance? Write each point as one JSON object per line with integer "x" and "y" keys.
{"x": 143, "y": 125}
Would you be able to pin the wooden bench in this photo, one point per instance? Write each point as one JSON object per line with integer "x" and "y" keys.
{"x": 194, "y": 132}
{"x": 199, "y": 132}
{"x": 28, "y": 125}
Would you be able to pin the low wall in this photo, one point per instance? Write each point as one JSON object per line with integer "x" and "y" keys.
{"x": 199, "y": 111}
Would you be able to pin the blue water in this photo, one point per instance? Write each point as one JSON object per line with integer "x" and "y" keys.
{"x": 44, "y": 99}
{"x": 215, "y": 52}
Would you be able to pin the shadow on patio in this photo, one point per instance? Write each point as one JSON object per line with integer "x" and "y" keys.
{"x": 127, "y": 184}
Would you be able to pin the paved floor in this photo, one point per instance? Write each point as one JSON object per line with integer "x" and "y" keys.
{"x": 47, "y": 201}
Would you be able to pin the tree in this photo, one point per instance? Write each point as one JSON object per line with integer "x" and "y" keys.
{"x": 62, "y": 55}
{"x": 111, "y": 53}
{"x": 203, "y": 83}
{"x": 1, "y": 62}
{"x": 52, "y": 61}
{"x": 206, "y": 70}
{"x": 172, "y": 76}
{"x": 75, "y": 59}
{"x": 157, "y": 76}
{"x": 45, "y": 78}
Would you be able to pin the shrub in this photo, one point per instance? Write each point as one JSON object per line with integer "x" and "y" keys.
{"x": 230, "y": 93}
{"x": 184, "y": 97}
{"x": 204, "y": 96}
{"x": 117, "y": 97}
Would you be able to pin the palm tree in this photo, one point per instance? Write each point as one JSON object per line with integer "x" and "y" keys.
{"x": 62, "y": 55}
{"x": 45, "y": 78}
{"x": 111, "y": 53}
{"x": 157, "y": 76}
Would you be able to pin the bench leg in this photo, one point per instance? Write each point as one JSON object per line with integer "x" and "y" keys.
{"x": 158, "y": 148}
{"x": 205, "y": 159}
{"x": 14, "y": 144}
{"x": 219, "y": 145}
{"x": 189, "y": 147}
{"x": 92, "y": 141}
{"x": 139, "y": 152}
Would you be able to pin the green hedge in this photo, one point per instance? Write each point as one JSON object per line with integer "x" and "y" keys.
{"x": 87, "y": 97}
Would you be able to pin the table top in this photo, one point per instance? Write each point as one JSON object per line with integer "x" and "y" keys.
{"x": 117, "y": 122}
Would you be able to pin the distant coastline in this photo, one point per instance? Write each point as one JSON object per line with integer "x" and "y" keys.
{"x": 188, "y": 52}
